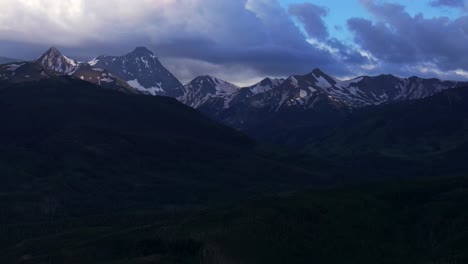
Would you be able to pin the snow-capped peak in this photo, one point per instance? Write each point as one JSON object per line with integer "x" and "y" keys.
{"x": 54, "y": 60}
{"x": 142, "y": 70}
{"x": 317, "y": 72}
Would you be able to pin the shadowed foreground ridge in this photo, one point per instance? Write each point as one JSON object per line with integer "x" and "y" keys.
{"x": 92, "y": 175}
{"x": 70, "y": 148}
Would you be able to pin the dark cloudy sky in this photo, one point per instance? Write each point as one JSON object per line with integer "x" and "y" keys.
{"x": 244, "y": 40}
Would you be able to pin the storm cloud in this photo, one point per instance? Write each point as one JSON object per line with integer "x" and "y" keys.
{"x": 258, "y": 35}
{"x": 396, "y": 37}
{"x": 240, "y": 41}
{"x": 310, "y": 16}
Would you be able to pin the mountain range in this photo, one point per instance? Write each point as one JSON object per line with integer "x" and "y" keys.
{"x": 7, "y": 60}
{"x": 289, "y": 110}
{"x": 313, "y": 103}
{"x": 97, "y": 167}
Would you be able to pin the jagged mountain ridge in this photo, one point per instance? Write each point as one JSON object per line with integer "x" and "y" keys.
{"x": 25, "y": 72}
{"x": 136, "y": 72}
{"x": 207, "y": 88}
{"x": 303, "y": 90}
{"x": 307, "y": 106}
{"x": 382, "y": 89}
{"x": 143, "y": 71}
{"x": 53, "y": 63}
{"x": 214, "y": 95}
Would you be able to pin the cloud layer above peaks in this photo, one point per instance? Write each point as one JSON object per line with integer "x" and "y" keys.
{"x": 243, "y": 40}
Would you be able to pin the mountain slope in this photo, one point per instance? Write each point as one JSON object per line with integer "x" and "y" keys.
{"x": 204, "y": 88}
{"x": 82, "y": 150}
{"x": 280, "y": 113}
{"x": 143, "y": 71}
{"x": 102, "y": 78}
{"x": 420, "y": 138}
{"x": 24, "y": 72}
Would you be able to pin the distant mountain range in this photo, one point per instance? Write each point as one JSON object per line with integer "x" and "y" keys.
{"x": 7, "y": 60}
{"x": 275, "y": 110}
{"x": 281, "y": 110}
{"x": 53, "y": 64}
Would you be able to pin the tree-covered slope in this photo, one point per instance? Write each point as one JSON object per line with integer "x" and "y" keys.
{"x": 406, "y": 222}
{"x": 69, "y": 148}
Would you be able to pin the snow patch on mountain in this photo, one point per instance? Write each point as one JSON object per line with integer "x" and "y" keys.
{"x": 322, "y": 82}
{"x": 265, "y": 85}
{"x": 293, "y": 81}
{"x": 303, "y": 94}
{"x": 107, "y": 80}
{"x": 93, "y": 62}
{"x": 151, "y": 90}
{"x": 13, "y": 67}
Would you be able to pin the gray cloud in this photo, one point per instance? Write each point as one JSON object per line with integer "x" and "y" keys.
{"x": 449, "y": 3}
{"x": 348, "y": 54}
{"x": 239, "y": 40}
{"x": 310, "y": 16}
{"x": 256, "y": 35}
{"x": 396, "y": 37}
